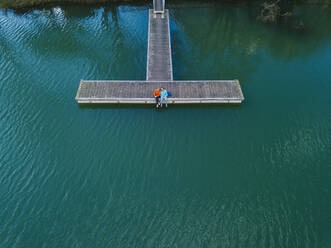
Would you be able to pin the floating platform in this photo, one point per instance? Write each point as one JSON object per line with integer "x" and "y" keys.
{"x": 135, "y": 92}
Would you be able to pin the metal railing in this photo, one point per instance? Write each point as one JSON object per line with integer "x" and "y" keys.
{"x": 158, "y": 6}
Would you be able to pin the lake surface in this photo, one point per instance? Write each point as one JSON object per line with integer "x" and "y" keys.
{"x": 249, "y": 175}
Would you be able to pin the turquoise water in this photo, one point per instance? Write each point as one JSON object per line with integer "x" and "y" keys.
{"x": 249, "y": 175}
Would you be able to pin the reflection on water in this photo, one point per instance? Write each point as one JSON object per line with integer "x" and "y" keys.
{"x": 235, "y": 34}
{"x": 250, "y": 175}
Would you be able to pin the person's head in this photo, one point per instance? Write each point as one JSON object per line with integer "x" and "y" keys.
{"x": 161, "y": 88}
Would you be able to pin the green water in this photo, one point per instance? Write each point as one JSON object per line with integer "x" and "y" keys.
{"x": 249, "y": 175}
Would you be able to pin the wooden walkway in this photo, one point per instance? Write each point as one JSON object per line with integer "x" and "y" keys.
{"x": 159, "y": 62}
{"x": 141, "y": 91}
{"x": 159, "y": 73}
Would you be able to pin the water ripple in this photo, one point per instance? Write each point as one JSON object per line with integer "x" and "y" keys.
{"x": 127, "y": 176}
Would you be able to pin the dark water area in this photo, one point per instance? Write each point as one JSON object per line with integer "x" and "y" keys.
{"x": 250, "y": 175}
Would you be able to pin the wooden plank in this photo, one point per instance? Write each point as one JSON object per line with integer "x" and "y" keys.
{"x": 142, "y": 91}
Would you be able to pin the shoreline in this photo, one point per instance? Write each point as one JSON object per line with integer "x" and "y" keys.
{"x": 35, "y": 4}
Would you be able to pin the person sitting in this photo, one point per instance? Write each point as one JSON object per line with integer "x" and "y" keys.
{"x": 164, "y": 97}
{"x": 156, "y": 94}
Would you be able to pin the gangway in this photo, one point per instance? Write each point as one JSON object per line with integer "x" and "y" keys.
{"x": 158, "y": 6}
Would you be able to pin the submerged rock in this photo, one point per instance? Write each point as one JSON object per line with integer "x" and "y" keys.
{"x": 270, "y": 12}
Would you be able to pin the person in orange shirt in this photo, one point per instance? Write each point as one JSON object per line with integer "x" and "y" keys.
{"x": 156, "y": 94}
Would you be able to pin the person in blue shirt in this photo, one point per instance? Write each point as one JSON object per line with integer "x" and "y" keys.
{"x": 164, "y": 97}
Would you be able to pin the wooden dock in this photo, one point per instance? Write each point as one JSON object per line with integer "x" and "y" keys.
{"x": 159, "y": 73}
{"x": 228, "y": 91}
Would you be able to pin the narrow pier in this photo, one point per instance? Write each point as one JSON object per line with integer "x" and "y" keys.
{"x": 159, "y": 62}
{"x": 159, "y": 73}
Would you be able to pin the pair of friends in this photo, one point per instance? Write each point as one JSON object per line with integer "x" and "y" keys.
{"x": 161, "y": 97}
